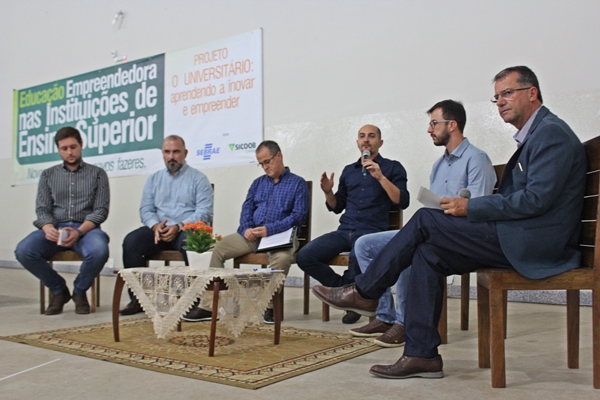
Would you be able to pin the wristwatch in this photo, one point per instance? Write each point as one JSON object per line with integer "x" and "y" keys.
{"x": 180, "y": 225}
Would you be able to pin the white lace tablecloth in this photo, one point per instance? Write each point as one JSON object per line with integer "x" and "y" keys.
{"x": 167, "y": 293}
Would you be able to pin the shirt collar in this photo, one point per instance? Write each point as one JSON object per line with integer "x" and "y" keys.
{"x": 285, "y": 172}
{"x": 80, "y": 166}
{"x": 459, "y": 150}
{"x": 377, "y": 159}
{"x": 521, "y": 134}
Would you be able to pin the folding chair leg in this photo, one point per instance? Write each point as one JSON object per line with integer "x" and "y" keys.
{"x": 573, "y": 328}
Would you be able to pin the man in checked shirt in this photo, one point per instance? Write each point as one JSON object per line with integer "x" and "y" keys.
{"x": 72, "y": 197}
{"x": 276, "y": 202}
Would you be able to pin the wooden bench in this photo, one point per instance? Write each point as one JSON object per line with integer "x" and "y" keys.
{"x": 492, "y": 286}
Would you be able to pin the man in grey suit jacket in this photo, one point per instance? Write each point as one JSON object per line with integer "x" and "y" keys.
{"x": 532, "y": 225}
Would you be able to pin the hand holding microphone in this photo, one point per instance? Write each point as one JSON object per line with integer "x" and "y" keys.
{"x": 456, "y": 206}
{"x": 365, "y": 155}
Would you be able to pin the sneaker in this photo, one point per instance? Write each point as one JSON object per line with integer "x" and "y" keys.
{"x": 268, "y": 317}
{"x": 350, "y": 317}
{"x": 394, "y": 337}
{"x": 81, "y": 303}
{"x": 58, "y": 302}
{"x": 373, "y": 329}
{"x": 197, "y": 314}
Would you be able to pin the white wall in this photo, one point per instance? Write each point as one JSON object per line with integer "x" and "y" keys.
{"x": 330, "y": 67}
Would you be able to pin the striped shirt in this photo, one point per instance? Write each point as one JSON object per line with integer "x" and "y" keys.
{"x": 72, "y": 196}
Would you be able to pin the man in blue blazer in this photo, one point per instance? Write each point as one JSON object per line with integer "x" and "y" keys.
{"x": 531, "y": 225}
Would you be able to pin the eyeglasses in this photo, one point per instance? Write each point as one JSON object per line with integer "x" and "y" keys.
{"x": 266, "y": 162}
{"x": 437, "y": 121}
{"x": 507, "y": 94}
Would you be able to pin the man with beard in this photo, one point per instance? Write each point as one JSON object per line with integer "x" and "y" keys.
{"x": 532, "y": 225}
{"x": 461, "y": 166}
{"x": 172, "y": 197}
{"x": 368, "y": 189}
{"x": 72, "y": 201}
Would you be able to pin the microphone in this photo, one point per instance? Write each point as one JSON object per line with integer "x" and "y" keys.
{"x": 366, "y": 154}
{"x": 464, "y": 193}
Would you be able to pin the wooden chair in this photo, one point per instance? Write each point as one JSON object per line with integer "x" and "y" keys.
{"x": 304, "y": 237}
{"x": 492, "y": 286}
{"x": 395, "y": 218}
{"x": 64, "y": 256}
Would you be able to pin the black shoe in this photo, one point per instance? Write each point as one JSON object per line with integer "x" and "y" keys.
{"x": 133, "y": 307}
{"x": 350, "y": 317}
{"x": 81, "y": 303}
{"x": 197, "y": 314}
{"x": 268, "y": 317}
{"x": 58, "y": 302}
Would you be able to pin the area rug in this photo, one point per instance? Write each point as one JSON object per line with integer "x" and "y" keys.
{"x": 249, "y": 361}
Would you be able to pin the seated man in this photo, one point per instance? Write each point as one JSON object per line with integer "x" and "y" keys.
{"x": 367, "y": 190}
{"x": 276, "y": 202}
{"x": 462, "y": 166}
{"x": 72, "y": 197}
{"x": 172, "y": 197}
{"x": 531, "y": 225}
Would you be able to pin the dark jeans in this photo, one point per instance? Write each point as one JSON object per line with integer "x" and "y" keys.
{"x": 436, "y": 245}
{"x": 139, "y": 244}
{"x": 314, "y": 257}
{"x": 33, "y": 251}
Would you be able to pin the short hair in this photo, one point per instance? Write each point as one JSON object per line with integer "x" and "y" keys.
{"x": 526, "y": 77}
{"x": 453, "y": 110}
{"x": 270, "y": 145}
{"x": 67, "y": 132}
{"x": 176, "y": 137}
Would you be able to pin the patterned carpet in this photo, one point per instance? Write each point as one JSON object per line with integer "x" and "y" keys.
{"x": 250, "y": 361}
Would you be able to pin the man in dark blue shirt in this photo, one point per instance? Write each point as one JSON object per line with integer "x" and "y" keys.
{"x": 367, "y": 190}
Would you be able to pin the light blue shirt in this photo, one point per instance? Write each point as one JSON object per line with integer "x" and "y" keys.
{"x": 521, "y": 134}
{"x": 467, "y": 167}
{"x": 184, "y": 197}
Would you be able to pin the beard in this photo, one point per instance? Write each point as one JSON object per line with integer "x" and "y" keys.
{"x": 173, "y": 166}
{"x": 442, "y": 139}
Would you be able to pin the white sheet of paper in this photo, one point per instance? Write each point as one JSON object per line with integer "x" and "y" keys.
{"x": 276, "y": 239}
{"x": 428, "y": 198}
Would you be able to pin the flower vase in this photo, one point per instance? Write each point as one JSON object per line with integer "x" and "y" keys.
{"x": 199, "y": 260}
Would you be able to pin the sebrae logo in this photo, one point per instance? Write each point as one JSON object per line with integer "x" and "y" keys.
{"x": 207, "y": 151}
{"x": 242, "y": 146}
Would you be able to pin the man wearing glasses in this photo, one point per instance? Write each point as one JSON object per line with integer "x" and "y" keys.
{"x": 276, "y": 202}
{"x": 367, "y": 190}
{"x": 531, "y": 224}
{"x": 462, "y": 166}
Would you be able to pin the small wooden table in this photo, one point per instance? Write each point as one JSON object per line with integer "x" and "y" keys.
{"x": 166, "y": 293}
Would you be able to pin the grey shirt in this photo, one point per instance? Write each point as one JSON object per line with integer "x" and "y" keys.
{"x": 77, "y": 196}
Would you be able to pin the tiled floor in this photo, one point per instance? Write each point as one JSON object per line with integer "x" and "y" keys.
{"x": 536, "y": 359}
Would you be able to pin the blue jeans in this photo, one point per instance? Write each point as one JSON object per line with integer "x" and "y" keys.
{"x": 314, "y": 257}
{"x": 366, "y": 248}
{"x": 33, "y": 251}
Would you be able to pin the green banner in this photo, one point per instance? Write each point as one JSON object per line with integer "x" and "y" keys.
{"x": 118, "y": 109}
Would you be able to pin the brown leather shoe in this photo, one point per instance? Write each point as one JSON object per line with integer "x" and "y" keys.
{"x": 346, "y": 298}
{"x": 58, "y": 302}
{"x": 393, "y": 337}
{"x": 133, "y": 307}
{"x": 374, "y": 328}
{"x": 411, "y": 367}
{"x": 81, "y": 303}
